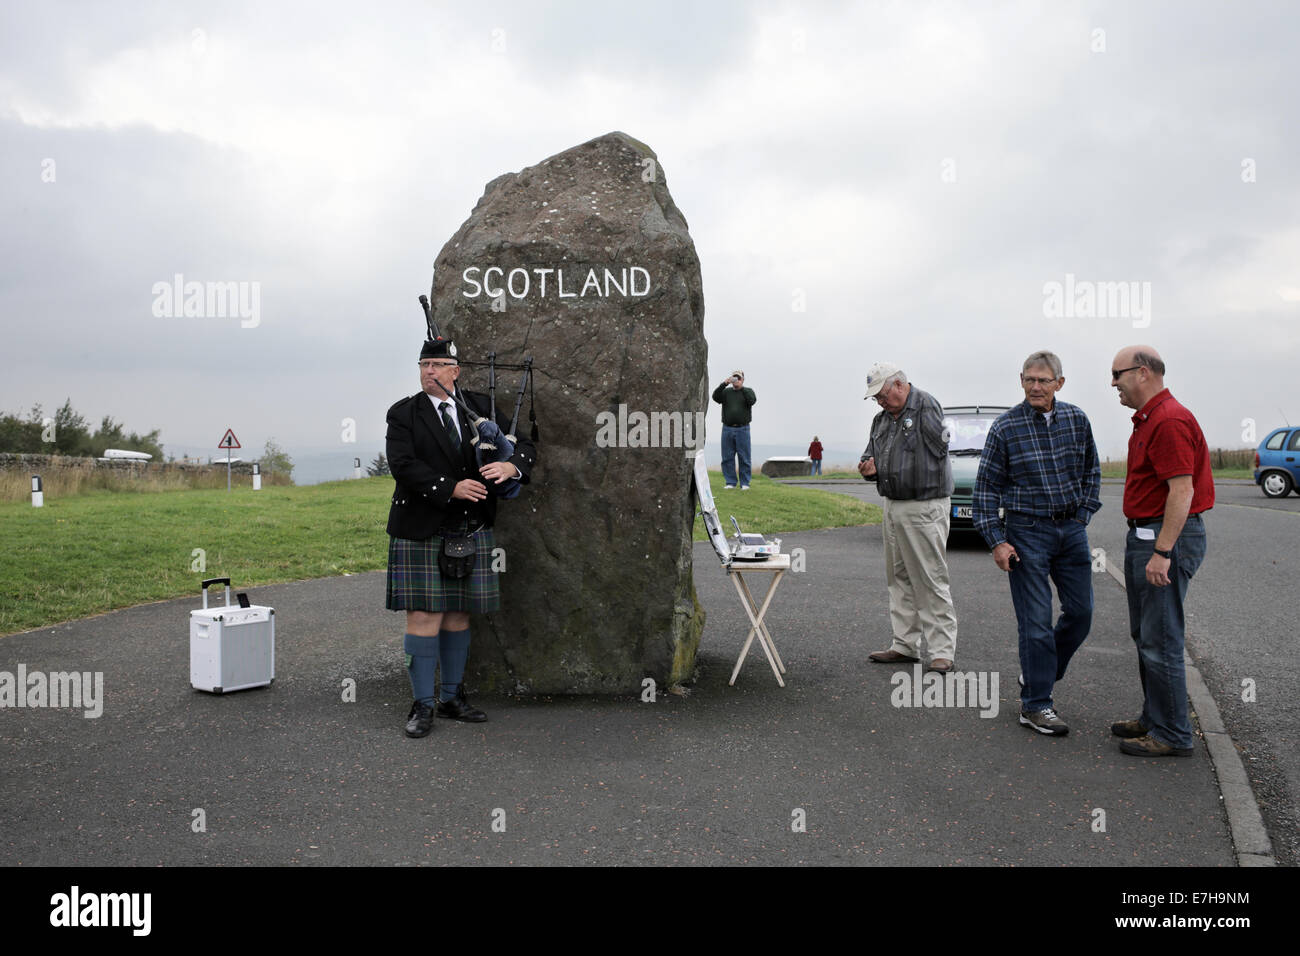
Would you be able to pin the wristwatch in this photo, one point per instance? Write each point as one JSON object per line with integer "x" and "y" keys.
{"x": 1167, "y": 555}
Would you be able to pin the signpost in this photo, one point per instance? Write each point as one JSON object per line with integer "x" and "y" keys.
{"x": 228, "y": 442}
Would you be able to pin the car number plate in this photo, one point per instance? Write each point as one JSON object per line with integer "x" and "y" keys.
{"x": 961, "y": 511}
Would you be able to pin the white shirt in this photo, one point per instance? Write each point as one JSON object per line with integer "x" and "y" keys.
{"x": 455, "y": 420}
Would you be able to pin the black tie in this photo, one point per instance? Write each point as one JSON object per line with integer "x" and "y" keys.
{"x": 449, "y": 425}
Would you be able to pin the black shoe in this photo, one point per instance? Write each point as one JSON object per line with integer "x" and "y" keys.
{"x": 458, "y": 708}
{"x": 420, "y": 720}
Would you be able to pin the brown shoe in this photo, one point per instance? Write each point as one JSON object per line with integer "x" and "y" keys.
{"x": 1129, "y": 728}
{"x": 892, "y": 657}
{"x": 940, "y": 664}
{"x": 1148, "y": 746}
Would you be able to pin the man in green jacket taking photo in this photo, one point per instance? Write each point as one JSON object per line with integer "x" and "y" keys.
{"x": 736, "y": 401}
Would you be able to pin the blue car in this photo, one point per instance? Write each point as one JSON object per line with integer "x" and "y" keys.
{"x": 1277, "y": 462}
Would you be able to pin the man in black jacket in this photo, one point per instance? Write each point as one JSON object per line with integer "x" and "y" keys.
{"x": 736, "y": 401}
{"x": 442, "y": 491}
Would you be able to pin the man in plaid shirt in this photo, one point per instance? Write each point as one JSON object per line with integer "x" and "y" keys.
{"x": 1040, "y": 467}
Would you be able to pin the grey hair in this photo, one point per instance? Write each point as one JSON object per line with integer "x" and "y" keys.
{"x": 898, "y": 378}
{"x": 1147, "y": 360}
{"x": 1050, "y": 359}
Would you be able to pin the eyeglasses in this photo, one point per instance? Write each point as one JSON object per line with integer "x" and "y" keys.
{"x": 1037, "y": 381}
{"x": 1115, "y": 374}
{"x": 438, "y": 364}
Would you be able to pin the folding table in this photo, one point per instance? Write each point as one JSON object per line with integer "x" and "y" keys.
{"x": 776, "y": 566}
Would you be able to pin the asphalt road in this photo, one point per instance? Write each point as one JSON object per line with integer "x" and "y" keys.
{"x": 1241, "y": 631}
{"x": 828, "y": 770}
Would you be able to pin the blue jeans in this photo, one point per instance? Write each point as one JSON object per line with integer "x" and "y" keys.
{"x": 816, "y": 466}
{"x": 1156, "y": 623}
{"x": 735, "y": 444}
{"x": 1055, "y": 551}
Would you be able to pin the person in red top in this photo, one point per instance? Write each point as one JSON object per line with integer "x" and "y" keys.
{"x": 1167, "y": 488}
{"x": 815, "y": 453}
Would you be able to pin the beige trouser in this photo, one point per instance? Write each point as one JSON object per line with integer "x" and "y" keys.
{"x": 916, "y": 570}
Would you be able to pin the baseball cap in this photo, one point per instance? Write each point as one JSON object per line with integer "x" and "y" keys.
{"x": 876, "y": 376}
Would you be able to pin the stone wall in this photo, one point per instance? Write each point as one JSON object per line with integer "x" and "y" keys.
{"x": 789, "y": 467}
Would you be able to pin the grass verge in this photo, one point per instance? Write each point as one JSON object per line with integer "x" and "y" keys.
{"x": 770, "y": 507}
{"x": 1119, "y": 469}
{"x": 70, "y": 477}
{"x": 99, "y": 551}
{"x": 95, "y": 552}
{"x": 1109, "y": 469}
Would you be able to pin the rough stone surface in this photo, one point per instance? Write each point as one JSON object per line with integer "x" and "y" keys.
{"x": 786, "y": 467}
{"x": 598, "y": 593}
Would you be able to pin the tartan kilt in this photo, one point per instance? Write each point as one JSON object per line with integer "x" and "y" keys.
{"x": 416, "y": 584}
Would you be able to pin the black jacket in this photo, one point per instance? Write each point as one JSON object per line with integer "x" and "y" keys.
{"x": 426, "y": 466}
{"x": 735, "y": 403}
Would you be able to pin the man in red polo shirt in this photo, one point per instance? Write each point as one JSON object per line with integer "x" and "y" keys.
{"x": 1167, "y": 488}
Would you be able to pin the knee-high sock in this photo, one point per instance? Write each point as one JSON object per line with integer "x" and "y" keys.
{"x": 421, "y": 667}
{"x": 454, "y": 653}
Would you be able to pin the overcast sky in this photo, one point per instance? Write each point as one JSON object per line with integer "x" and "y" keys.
{"x": 913, "y": 175}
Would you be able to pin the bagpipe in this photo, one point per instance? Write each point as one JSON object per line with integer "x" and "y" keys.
{"x": 489, "y": 442}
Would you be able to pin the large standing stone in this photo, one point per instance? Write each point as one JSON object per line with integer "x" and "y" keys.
{"x": 584, "y": 263}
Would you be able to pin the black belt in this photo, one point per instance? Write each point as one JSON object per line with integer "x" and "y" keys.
{"x": 1065, "y": 515}
{"x": 1143, "y": 522}
{"x": 460, "y": 527}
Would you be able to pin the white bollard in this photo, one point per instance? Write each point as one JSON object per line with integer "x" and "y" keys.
{"x": 356, "y": 468}
{"x": 257, "y": 477}
{"x": 38, "y": 496}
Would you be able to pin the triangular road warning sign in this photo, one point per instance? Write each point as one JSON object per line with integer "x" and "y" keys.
{"x": 228, "y": 440}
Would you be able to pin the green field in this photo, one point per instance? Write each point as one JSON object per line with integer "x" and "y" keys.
{"x": 91, "y": 553}
{"x": 771, "y": 507}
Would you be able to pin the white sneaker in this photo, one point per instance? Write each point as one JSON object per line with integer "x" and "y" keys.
{"x": 744, "y": 487}
{"x": 728, "y": 487}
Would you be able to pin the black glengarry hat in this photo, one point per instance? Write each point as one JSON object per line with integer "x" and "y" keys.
{"x": 435, "y": 346}
{"x": 438, "y": 348}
